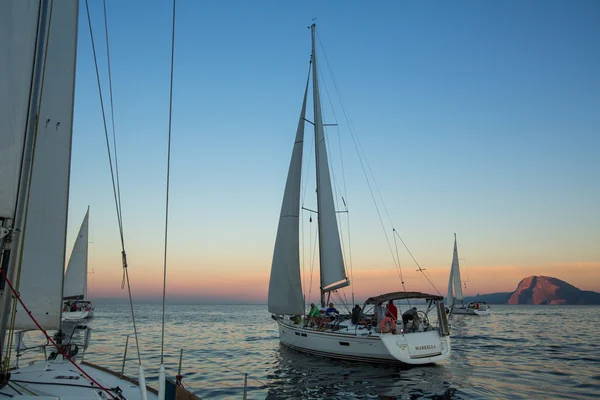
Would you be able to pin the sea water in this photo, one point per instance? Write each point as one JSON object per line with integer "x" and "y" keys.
{"x": 516, "y": 352}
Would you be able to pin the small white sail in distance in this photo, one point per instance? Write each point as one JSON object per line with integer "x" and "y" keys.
{"x": 75, "y": 285}
{"x": 454, "y": 282}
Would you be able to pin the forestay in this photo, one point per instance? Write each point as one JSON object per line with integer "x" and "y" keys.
{"x": 75, "y": 285}
{"x": 42, "y": 264}
{"x": 285, "y": 286}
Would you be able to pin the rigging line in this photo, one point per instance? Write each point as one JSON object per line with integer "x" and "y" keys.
{"x": 305, "y": 180}
{"x": 312, "y": 254}
{"x": 104, "y": 120}
{"x": 399, "y": 266}
{"x": 304, "y": 159}
{"x": 112, "y": 116}
{"x": 309, "y": 255}
{"x": 123, "y": 253}
{"x": 335, "y": 183}
{"x": 13, "y": 385}
{"x": 352, "y": 128}
{"x": 358, "y": 148}
{"x": 307, "y": 161}
{"x": 310, "y": 229}
{"x": 315, "y": 247}
{"x": 345, "y": 191}
{"x": 303, "y": 253}
{"x": 337, "y": 186}
{"x": 162, "y": 341}
{"x": 301, "y": 211}
{"x": 344, "y": 300}
{"x": 335, "y": 119}
{"x": 345, "y": 201}
{"x": 421, "y": 270}
{"x": 60, "y": 350}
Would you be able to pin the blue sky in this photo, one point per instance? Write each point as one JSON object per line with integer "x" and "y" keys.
{"x": 479, "y": 118}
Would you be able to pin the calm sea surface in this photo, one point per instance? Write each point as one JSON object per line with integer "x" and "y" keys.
{"x": 518, "y": 352}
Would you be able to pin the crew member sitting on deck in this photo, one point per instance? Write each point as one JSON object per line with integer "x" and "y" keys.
{"x": 313, "y": 318}
{"x": 410, "y": 315}
{"x": 330, "y": 316}
{"x": 357, "y": 316}
{"x": 323, "y": 309}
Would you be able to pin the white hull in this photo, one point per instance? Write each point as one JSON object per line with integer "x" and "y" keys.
{"x": 359, "y": 345}
{"x": 60, "y": 379}
{"x": 470, "y": 311}
{"x": 77, "y": 315}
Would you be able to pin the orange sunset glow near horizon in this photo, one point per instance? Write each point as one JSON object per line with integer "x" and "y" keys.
{"x": 197, "y": 285}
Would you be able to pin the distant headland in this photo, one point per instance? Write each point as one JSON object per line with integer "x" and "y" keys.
{"x": 541, "y": 290}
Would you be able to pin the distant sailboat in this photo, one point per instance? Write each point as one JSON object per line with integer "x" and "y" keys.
{"x": 76, "y": 305}
{"x": 421, "y": 343}
{"x": 455, "y": 298}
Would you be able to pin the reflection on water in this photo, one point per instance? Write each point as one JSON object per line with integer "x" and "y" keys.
{"x": 297, "y": 375}
{"x": 517, "y": 352}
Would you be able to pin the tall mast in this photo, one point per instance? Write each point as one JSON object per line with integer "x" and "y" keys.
{"x": 13, "y": 246}
{"x": 317, "y": 125}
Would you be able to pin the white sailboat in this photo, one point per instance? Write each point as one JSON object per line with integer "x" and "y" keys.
{"x": 76, "y": 305}
{"x": 418, "y": 342}
{"x": 38, "y": 42}
{"x": 455, "y": 296}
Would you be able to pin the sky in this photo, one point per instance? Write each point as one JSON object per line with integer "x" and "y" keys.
{"x": 475, "y": 118}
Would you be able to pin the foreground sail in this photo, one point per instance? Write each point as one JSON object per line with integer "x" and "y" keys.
{"x": 455, "y": 297}
{"x": 76, "y": 305}
{"x": 38, "y": 42}
{"x": 371, "y": 337}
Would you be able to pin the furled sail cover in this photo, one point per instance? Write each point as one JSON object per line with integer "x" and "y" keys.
{"x": 42, "y": 265}
{"x": 454, "y": 283}
{"x": 333, "y": 272}
{"x": 76, "y": 276}
{"x": 18, "y": 33}
{"x": 285, "y": 285}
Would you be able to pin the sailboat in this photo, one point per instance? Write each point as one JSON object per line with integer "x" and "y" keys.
{"x": 377, "y": 341}
{"x": 455, "y": 298}
{"x": 76, "y": 306}
{"x": 38, "y": 42}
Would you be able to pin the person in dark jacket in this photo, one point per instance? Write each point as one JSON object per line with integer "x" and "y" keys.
{"x": 357, "y": 316}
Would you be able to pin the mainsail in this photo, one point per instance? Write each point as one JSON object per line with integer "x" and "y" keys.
{"x": 42, "y": 265}
{"x": 333, "y": 273}
{"x": 454, "y": 282}
{"x": 285, "y": 286}
{"x": 75, "y": 285}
